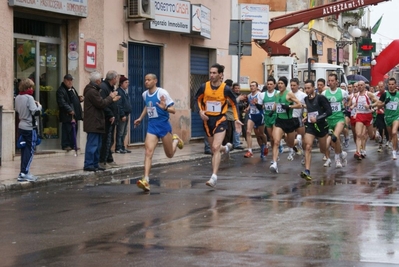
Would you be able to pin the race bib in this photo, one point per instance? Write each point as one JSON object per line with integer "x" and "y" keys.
{"x": 335, "y": 106}
{"x": 313, "y": 114}
{"x": 279, "y": 109}
{"x": 253, "y": 110}
{"x": 152, "y": 112}
{"x": 392, "y": 105}
{"x": 360, "y": 106}
{"x": 213, "y": 106}
{"x": 269, "y": 106}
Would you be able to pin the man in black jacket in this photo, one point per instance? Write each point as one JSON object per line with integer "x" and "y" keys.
{"x": 125, "y": 108}
{"x": 70, "y": 111}
{"x": 111, "y": 120}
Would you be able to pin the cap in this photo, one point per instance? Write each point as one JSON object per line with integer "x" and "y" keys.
{"x": 343, "y": 84}
{"x": 122, "y": 79}
{"x": 68, "y": 77}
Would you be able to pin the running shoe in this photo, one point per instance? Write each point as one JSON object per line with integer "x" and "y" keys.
{"x": 357, "y": 156}
{"x": 363, "y": 153}
{"x": 327, "y": 163}
{"x": 306, "y": 175}
{"x": 394, "y": 155}
{"x": 228, "y": 148}
{"x": 379, "y": 148}
{"x": 262, "y": 148}
{"x": 280, "y": 149}
{"x": 338, "y": 163}
{"x": 144, "y": 185}
{"x": 303, "y": 160}
{"x": 273, "y": 167}
{"x": 266, "y": 150}
{"x": 344, "y": 160}
{"x": 26, "y": 177}
{"x": 291, "y": 156}
{"x": 248, "y": 154}
{"x": 324, "y": 158}
{"x": 180, "y": 142}
{"x": 346, "y": 143}
{"x": 212, "y": 182}
{"x": 299, "y": 145}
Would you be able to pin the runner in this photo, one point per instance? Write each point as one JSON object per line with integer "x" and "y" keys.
{"x": 285, "y": 123}
{"x": 363, "y": 102}
{"x": 212, "y": 99}
{"x": 321, "y": 85}
{"x": 297, "y": 113}
{"x": 390, "y": 100}
{"x": 255, "y": 121}
{"x": 269, "y": 98}
{"x": 318, "y": 109}
{"x": 336, "y": 122}
{"x": 380, "y": 119}
{"x": 158, "y": 105}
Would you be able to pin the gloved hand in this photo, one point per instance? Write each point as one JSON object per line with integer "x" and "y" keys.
{"x": 286, "y": 107}
{"x": 271, "y": 113}
{"x": 387, "y": 100}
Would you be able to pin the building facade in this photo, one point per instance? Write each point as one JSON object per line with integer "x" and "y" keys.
{"x": 44, "y": 40}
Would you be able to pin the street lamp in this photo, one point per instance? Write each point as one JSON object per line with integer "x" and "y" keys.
{"x": 355, "y": 32}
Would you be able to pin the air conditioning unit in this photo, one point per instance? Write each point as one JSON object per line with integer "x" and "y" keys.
{"x": 140, "y": 10}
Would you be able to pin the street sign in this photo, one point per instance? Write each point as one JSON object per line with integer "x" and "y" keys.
{"x": 240, "y": 38}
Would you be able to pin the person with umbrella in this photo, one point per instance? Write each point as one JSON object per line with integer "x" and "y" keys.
{"x": 70, "y": 112}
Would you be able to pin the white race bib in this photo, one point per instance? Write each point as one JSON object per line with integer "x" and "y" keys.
{"x": 213, "y": 106}
{"x": 335, "y": 106}
{"x": 269, "y": 106}
{"x": 253, "y": 110}
{"x": 313, "y": 114}
{"x": 279, "y": 109}
{"x": 152, "y": 112}
{"x": 392, "y": 105}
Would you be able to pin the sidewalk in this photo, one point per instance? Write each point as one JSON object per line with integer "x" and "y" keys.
{"x": 51, "y": 168}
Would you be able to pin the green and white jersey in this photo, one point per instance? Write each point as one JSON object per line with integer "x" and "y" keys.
{"x": 336, "y": 99}
{"x": 268, "y": 101}
{"x": 391, "y": 108}
{"x": 282, "y": 99}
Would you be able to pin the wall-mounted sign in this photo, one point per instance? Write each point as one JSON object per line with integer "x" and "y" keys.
{"x": 172, "y": 15}
{"x": 90, "y": 55}
{"x": 77, "y": 8}
{"x": 201, "y": 20}
{"x": 259, "y": 14}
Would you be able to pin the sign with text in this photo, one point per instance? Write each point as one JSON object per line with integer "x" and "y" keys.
{"x": 172, "y": 16}
{"x": 77, "y": 8}
{"x": 259, "y": 14}
{"x": 201, "y": 20}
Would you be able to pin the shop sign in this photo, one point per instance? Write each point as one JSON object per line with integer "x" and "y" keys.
{"x": 259, "y": 14}
{"x": 77, "y": 8}
{"x": 201, "y": 20}
{"x": 172, "y": 15}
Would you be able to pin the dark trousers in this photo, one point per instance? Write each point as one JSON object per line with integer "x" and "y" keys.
{"x": 228, "y": 138}
{"x": 92, "y": 151}
{"x": 30, "y": 137}
{"x": 121, "y": 132}
{"x": 67, "y": 138}
{"x": 107, "y": 142}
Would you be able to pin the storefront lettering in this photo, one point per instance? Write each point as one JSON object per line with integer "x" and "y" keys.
{"x": 51, "y": 3}
{"x": 165, "y": 6}
{"x": 77, "y": 8}
{"x": 342, "y": 7}
{"x": 182, "y": 8}
{"x": 32, "y": 2}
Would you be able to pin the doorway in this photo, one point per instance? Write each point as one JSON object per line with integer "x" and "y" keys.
{"x": 38, "y": 58}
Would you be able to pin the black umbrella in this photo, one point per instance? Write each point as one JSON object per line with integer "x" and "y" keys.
{"x": 356, "y": 78}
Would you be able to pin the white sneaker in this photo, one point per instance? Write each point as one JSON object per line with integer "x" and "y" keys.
{"x": 324, "y": 158}
{"x": 338, "y": 163}
{"x": 228, "y": 148}
{"x": 28, "y": 177}
{"x": 394, "y": 155}
{"x": 212, "y": 182}
{"x": 327, "y": 163}
{"x": 344, "y": 161}
{"x": 273, "y": 167}
{"x": 299, "y": 145}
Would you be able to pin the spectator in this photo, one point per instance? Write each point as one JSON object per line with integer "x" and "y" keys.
{"x": 125, "y": 108}
{"x": 27, "y": 109}
{"x": 70, "y": 111}
{"x": 94, "y": 123}
{"x": 111, "y": 120}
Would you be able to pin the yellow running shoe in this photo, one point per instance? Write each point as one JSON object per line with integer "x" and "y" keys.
{"x": 180, "y": 143}
{"x": 143, "y": 184}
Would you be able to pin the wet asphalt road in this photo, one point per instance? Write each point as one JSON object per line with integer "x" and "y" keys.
{"x": 347, "y": 217}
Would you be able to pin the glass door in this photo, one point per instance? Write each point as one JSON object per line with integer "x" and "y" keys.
{"x": 38, "y": 58}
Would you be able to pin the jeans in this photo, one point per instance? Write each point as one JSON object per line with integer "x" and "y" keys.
{"x": 107, "y": 142}
{"x": 236, "y": 139}
{"x": 30, "y": 137}
{"x": 121, "y": 132}
{"x": 92, "y": 153}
